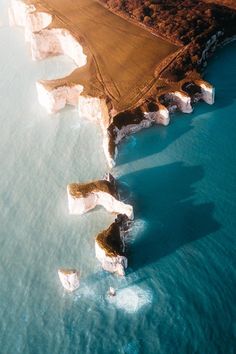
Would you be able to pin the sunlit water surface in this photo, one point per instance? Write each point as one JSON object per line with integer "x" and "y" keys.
{"x": 179, "y": 293}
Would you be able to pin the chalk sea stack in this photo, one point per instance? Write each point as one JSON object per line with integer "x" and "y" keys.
{"x": 110, "y": 246}
{"x": 83, "y": 197}
{"x": 69, "y": 278}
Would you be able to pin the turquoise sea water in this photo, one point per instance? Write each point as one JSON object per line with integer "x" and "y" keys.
{"x": 179, "y": 293}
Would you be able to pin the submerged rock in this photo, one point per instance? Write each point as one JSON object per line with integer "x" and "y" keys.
{"x": 111, "y": 292}
{"x": 69, "y": 278}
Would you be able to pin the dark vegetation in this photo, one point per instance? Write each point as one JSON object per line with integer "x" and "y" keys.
{"x": 188, "y": 23}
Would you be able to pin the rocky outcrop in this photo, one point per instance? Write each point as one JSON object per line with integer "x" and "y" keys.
{"x": 199, "y": 90}
{"x": 156, "y": 111}
{"x": 207, "y": 92}
{"x": 56, "y": 41}
{"x": 56, "y": 99}
{"x": 177, "y": 100}
{"x": 110, "y": 246}
{"x": 69, "y": 278}
{"x": 83, "y": 197}
{"x": 45, "y": 42}
{"x": 24, "y": 15}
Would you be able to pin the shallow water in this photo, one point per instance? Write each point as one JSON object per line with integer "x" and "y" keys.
{"x": 178, "y": 296}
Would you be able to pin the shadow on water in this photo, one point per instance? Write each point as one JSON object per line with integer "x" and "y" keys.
{"x": 152, "y": 140}
{"x": 164, "y": 199}
{"x": 156, "y": 139}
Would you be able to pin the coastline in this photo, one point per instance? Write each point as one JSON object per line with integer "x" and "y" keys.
{"x": 41, "y": 28}
{"x": 180, "y": 179}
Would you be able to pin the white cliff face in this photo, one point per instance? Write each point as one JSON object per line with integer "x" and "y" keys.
{"x": 131, "y": 129}
{"x": 203, "y": 91}
{"x": 69, "y": 278}
{"x": 56, "y": 41}
{"x": 163, "y": 116}
{"x": 45, "y": 42}
{"x": 36, "y": 21}
{"x": 56, "y": 99}
{"x": 181, "y": 100}
{"x": 116, "y": 264}
{"x": 159, "y": 117}
{"x": 48, "y": 42}
{"x": 23, "y": 15}
{"x": 18, "y": 13}
{"x": 90, "y": 108}
{"x": 208, "y": 93}
{"x": 105, "y": 121}
{"x": 110, "y": 159}
{"x": 149, "y": 119}
{"x": 95, "y": 108}
{"x": 82, "y": 205}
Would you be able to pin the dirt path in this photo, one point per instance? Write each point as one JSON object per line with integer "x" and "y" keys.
{"x": 123, "y": 56}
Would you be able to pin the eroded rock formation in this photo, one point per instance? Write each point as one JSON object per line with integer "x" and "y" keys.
{"x": 83, "y": 197}
{"x": 110, "y": 246}
{"x": 69, "y": 278}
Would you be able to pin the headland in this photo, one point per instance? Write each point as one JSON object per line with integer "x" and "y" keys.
{"x": 138, "y": 62}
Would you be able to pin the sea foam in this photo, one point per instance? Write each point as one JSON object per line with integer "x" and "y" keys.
{"x": 132, "y": 299}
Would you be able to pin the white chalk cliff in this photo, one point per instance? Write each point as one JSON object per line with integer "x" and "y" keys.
{"x": 207, "y": 92}
{"x": 113, "y": 264}
{"x": 110, "y": 246}
{"x": 55, "y": 100}
{"x": 45, "y": 42}
{"x": 79, "y": 205}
